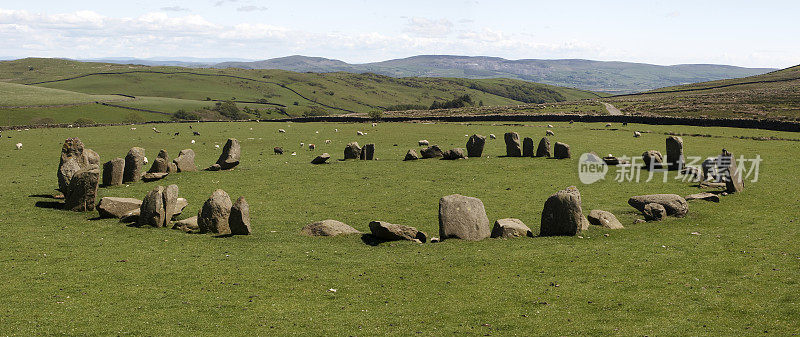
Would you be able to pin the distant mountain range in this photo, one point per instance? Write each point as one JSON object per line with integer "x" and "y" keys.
{"x": 611, "y": 77}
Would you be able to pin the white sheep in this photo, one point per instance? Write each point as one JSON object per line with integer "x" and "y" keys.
{"x": 216, "y": 145}
{"x": 549, "y": 133}
{"x": 131, "y": 128}
{"x": 327, "y": 141}
{"x": 281, "y": 131}
{"x": 360, "y": 133}
{"x": 192, "y": 141}
{"x": 146, "y": 160}
{"x": 311, "y": 147}
{"x": 492, "y": 136}
{"x": 335, "y": 130}
{"x": 374, "y": 124}
{"x": 156, "y": 131}
{"x": 19, "y": 146}
{"x": 550, "y": 126}
{"x": 637, "y": 134}
{"x": 302, "y": 144}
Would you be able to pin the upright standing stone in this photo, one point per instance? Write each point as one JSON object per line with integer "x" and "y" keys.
{"x": 72, "y": 160}
{"x": 527, "y": 147}
{"x": 652, "y": 159}
{"x": 113, "y": 171}
{"x": 170, "y": 203}
{"x": 462, "y": 217}
{"x": 512, "y": 145}
{"x": 239, "y": 220}
{"x": 161, "y": 163}
{"x": 562, "y": 214}
{"x": 352, "y": 151}
{"x": 709, "y": 167}
{"x": 730, "y": 172}
{"x": 184, "y": 162}
{"x": 134, "y": 162}
{"x": 82, "y": 191}
{"x": 215, "y": 214}
{"x": 675, "y": 158}
{"x": 543, "y": 150}
{"x": 475, "y": 146}
{"x": 368, "y": 152}
{"x": 231, "y": 155}
{"x": 321, "y": 159}
{"x": 561, "y": 151}
{"x": 152, "y": 211}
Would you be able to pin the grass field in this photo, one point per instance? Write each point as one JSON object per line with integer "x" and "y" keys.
{"x": 17, "y": 95}
{"x": 67, "y": 274}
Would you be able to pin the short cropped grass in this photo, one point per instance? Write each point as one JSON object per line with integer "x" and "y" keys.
{"x": 64, "y": 273}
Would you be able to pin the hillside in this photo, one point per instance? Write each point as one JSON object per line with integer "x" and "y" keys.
{"x": 274, "y": 93}
{"x": 775, "y": 95}
{"x": 18, "y": 95}
{"x": 612, "y": 77}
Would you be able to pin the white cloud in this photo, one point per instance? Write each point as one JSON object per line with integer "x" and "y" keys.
{"x": 424, "y": 27}
{"x": 251, "y": 8}
{"x": 174, "y": 9}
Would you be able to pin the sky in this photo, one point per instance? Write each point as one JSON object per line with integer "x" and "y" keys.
{"x": 742, "y": 33}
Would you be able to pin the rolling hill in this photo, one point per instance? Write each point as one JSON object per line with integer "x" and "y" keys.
{"x": 611, "y": 77}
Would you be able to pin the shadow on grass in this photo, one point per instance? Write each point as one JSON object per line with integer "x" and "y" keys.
{"x": 371, "y": 240}
{"x": 49, "y": 204}
{"x": 47, "y": 196}
{"x": 223, "y": 236}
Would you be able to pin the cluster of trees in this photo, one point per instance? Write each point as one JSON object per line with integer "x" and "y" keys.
{"x": 526, "y": 93}
{"x": 225, "y": 109}
{"x": 458, "y": 102}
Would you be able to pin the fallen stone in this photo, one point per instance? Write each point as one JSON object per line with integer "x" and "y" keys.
{"x": 321, "y": 159}
{"x": 674, "y": 204}
{"x": 113, "y": 207}
{"x": 652, "y": 159}
{"x": 462, "y": 217}
{"x": 453, "y": 154}
{"x": 152, "y": 176}
{"x": 703, "y": 196}
{"x": 423, "y": 142}
{"x": 411, "y": 155}
{"x": 510, "y": 228}
{"x": 187, "y": 225}
{"x": 604, "y": 219}
{"x": 654, "y": 212}
{"x": 328, "y": 228}
{"x": 432, "y": 152}
{"x": 391, "y": 232}
{"x": 131, "y": 217}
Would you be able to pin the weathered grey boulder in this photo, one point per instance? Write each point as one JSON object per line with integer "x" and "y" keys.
{"x": 368, "y": 152}
{"x": 321, "y": 159}
{"x": 153, "y": 176}
{"x": 475, "y": 145}
{"x": 562, "y": 214}
{"x": 74, "y": 157}
{"x": 510, "y": 228}
{"x": 352, "y": 151}
{"x": 453, "y": 154}
{"x": 462, "y": 217}
{"x": 113, "y": 207}
{"x": 391, "y": 232}
{"x": 709, "y": 167}
{"x": 527, "y": 147}
{"x": 82, "y": 190}
{"x": 328, "y": 228}
{"x": 512, "y": 145}
{"x": 561, "y": 151}
{"x": 161, "y": 163}
{"x": 91, "y": 157}
{"x": 654, "y": 212}
{"x": 184, "y": 162}
{"x": 113, "y": 171}
{"x": 170, "y": 203}
{"x": 432, "y": 152}
{"x": 675, "y": 158}
{"x": 239, "y": 220}
{"x": 703, "y": 196}
{"x": 673, "y": 203}
{"x": 730, "y": 172}
{"x": 604, "y": 219}
{"x": 652, "y": 159}
{"x": 543, "y": 150}
{"x": 172, "y": 167}
{"x": 134, "y": 162}
{"x": 231, "y": 155}
{"x": 187, "y": 225}
{"x": 411, "y": 155}
{"x": 215, "y": 214}
{"x": 693, "y": 173}
{"x": 180, "y": 205}
{"x": 152, "y": 212}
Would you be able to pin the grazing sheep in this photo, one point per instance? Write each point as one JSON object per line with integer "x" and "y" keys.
{"x": 637, "y": 134}
{"x": 177, "y": 133}
{"x": 608, "y": 125}
{"x": 195, "y": 133}
{"x": 423, "y": 142}
{"x": 156, "y": 131}
{"x": 492, "y": 136}
{"x": 131, "y": 128}
{"x": 327, "y": 141}
{"x": 360, "y": 133}
{"x": 216, "y": 145}
{"x": 278, "y": 150}
{"x": 145, "y": 160}
{"x": 19, "y": 146}
{"x": 624, "y": 123}
{"x": 294, "y": 153}
{"x": 311, "y": 147}
{"x": 550, "y": 126}
{"x": 549, "y": 133}
{"x": 374, "y": 124}
{"x": 302, "y": 144}
{"x": 335, "y": 130}
{"x": 281, "y": 131}
{"x": 192, "y": 141}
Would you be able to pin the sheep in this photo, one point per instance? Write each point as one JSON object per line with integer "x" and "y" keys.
{"x": 156, "y": 131}
{"x": 335, "y": 130}
{"x": 294, "y": 153}
{"x": 360, "y": 133}
{"x": 131, "y": 128}
{"x": 278, "y": 150}
{"x": 19, "y": 146}
{"x": 281, "y": 131}
{"x": 177, "y": 133}
{"x": 311, "y": 147}
{"x": 550, "y": 126}
{"x": 216, "y": 145}
{"x": 195, "y": 133}
{"x": 549, "y": 133}
{"x": 327, "y": 141}
{"x": 302, "y": 144}
{"x": 374, "y": 124}
{"x": 608, "y": 125}
{"x": 146, "y": 160}
{"x": 423, "y": 142}
{"x": 192, "y": 141}
{"x": 637, "y": 134}
{"x": 492, "y": 136}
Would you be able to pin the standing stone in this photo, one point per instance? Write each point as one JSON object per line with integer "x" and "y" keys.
{"x": 652, "y": 159}
{"x": 185, "y": 161}
{"x": 527, "y": 147}
{"x": 462, "y": 217}
{"x": 328, "y": 228}
{"x": 82, "y": 191}
{"x": 543, "y": 150}
{"x": 72, "y": 160}
{"x": 321, "y": 159}
{"x": 561, "y": 151}
{"x": 161, "y": 163}
{"x": 239, "y": 220}
{"x": 112, "y": 207}
{"x": 604, "y": 219}
{"x": 675, "y": 159}
{"x": 432, "y": 152}
{"x": 368, "y": 152}
{"x": 391, "y": 232}
{"x": 475, "y": 146}
{"x": 457, "y": 153}
{"x": 134, "y": 162}
{"x": 654, "y": 212}
{"x": 152, "y": 211}
{"x": 510, "y": 228}
{"x": 709, "y": 167}
{"x": 352, "y": 151}
{"x": 674, "y": 204}
{"x": 214, "y": 216}
{"x": 231, "y": 155}
{"x": 562, "y": 214}
{"x": 512, "y": 145}
{"x": 411, "y": 155}
{"x": 730, "y": 172}
{"x": 113, "y": 171}
{"x": 91, "y": 157}
{"x": 170, "y": 203}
